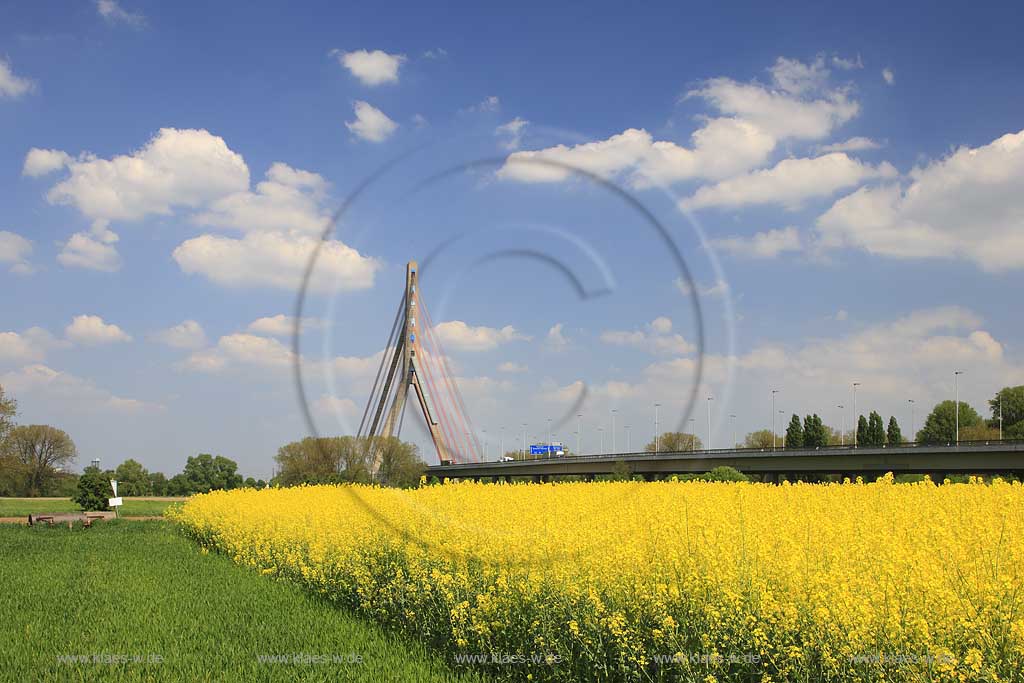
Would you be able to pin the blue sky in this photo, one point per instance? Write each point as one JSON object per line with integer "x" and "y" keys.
{"x": 843, "y": 183}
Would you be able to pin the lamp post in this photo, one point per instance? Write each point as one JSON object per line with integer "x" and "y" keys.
{"x": 550, "y": 438}
{"x": 710, "y": 399}
{"x": 600, "y": 430}
{"x": 579, "y": 433}
{"x": 855, "y": 385}
{"x": 524, "y": 441}
{"x": 842, "y": 429}
{"x": 656, "y": 440}
{"x": 501, "y": 444}
{"x": 782, "y": 412}
{"x": 1000, "y": 416}
{"x": 774, "y": 391}
{"x": 485, "y": 445}
{"x": 693, "y": 434}
{"x": 613, "y": 429}
{"x": 628, "y": 446}
{"x": 913, "y": 418}
{"x": 735, "y": 444}
{"x": 956, "y": 392}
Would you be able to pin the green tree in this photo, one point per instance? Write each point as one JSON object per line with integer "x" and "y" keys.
{"x": 816, "y": 434}
{"x": 979, "y": 432}
{"x": 179, "y": 485}
{"x": 940, "y": 425}
{"x": 671, "y": 442}
{"x": 400, "y": 464}
{"x": 324, "y": 459}
{"x": 133, "y": 479}
{"x": 1012, "y": 399}
{"x": 40, "y": 451}
{"x": 205, "y": 472}
{"x": 794, "y": 433}
{"x": 762, "y": 438}
{"x": 94, "y": 489}
{"x": 893, "y": 435}
{"x": 8, "y": 411}
{"x": 875, "y": 434}
{"x": 862, "y": 431}
{"x": 158, "y": 483}
{"x": 621, "y": 471}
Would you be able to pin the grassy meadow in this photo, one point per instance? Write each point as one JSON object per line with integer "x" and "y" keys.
{"x": 133, "y": 507}
{"x": 139, "y": 602}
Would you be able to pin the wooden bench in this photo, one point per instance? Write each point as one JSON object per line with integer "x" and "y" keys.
{"x": 86, "y": 518}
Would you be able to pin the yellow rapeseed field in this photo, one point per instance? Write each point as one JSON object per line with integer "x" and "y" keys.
{"x": 660, "y": 581}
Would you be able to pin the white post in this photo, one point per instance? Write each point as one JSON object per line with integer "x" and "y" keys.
{"x": 628, "y": 446}
{"x": 855, "y": 422}
{"x": 956, "y": 392}
{"x": 693, "y": 434}
{"x": 1000, "y": 416}
{"x": 524, "y": 441}
{"x": 842, "y": 429}
{"x": 710, "y": 399}
{"x": 656, "y": 434}
{"x": 600, "y": 430}
{"x": 735, "y": 444}
{"x": 579, "y": 433}
{"x": 613, "y": 430}
{"x": 774, "y": 391}
{"x": 913, "y": 419}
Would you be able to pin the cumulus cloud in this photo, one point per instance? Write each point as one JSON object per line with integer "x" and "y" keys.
{"x": 276, "y": 260}
{"x": 288, "y": 200}
{"x": 857, "y": 144}
{"x": 11, "y": 85}
{"x": 39, "y": 162}
{"x": 789, "y": 183}
{"x": 113, "y": 13}
{"x": 716, "y": 288}
{"x": 282, "y": 325}
{"x": 371, "y": 67}
{"x": 753, "y": 119}
{"x": 459, "y": 336}
{"x": 93, "y": 250}
{"x": 761, "y": 245}
{"x": 51, "y": 386}
{"x": 186, "y": 335}
{"x": 967, "y": 205}
{"x": 371, "y": 123}
{"x": 92, "y": 330}
{"x": 655, "y": 338}
{"x": 555, "y": 338}
{"x": 176, "y": 168}
{"x": 888, "y": 76}
{"x": 17, "y": 347}
{"x": 15, "y": 250}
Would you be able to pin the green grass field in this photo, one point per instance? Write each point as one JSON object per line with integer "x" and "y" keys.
{"x": 133, "y": 507}
{"x": 122, "y": 590}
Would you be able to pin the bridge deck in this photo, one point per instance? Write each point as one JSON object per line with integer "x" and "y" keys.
{"x": 938, "y": 460}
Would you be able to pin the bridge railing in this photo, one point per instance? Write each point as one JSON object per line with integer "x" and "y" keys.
{"x": 721, "y": 452}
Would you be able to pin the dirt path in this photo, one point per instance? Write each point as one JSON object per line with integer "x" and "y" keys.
{"x": 24, "y": 519}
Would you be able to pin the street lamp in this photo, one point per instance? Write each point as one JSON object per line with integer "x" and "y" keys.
{"x": 628, "y": 446}
{"x": 600, "y": 430}
{"x": 524, "y": 441}
{"x": 855, "y": 423}
{"x": 485, "y": 445}
{"x": 956, "y": 391}
{"x": 579, "y": 433}
{"x": 1000, "y": 416}
{"x": 693, "y": 434}
{"x": 842, "y": 429}
{"x": 710, "y": 399}
{"x": 913, "y": 418}
{"x": 550, "y": 438}
{"x": 774, "y": 391}
{"x": 501, "y": 444}
{"x": 735, "y": 444}
{"x": 783, "y": 412}
{"x": 656, "y": 441}
{"x": 613, "y": 429}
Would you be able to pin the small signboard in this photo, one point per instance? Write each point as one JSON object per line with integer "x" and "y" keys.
{"x": 114, "y": 502}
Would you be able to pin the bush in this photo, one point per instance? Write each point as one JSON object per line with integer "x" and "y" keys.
{"x": 94, "y": 489}
{"x": 725, "y": 473}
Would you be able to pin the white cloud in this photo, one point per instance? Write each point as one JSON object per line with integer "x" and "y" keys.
{"x": 753, "y": 119}
{"x": 512, "y": 368}
{"x": 39, "y": 162}
{"x": 716, "y": 288}
{"x": 761, "y": 245}
{"x": 15, "y": 250}
{"x": 967, "y": 205}
{"x": 371, "y": 123}
{"x": 512, "y": 132}
{"x": 488, "y": 104}
{"x": 555, "y": 338}
{"x": 856, "y": 144}
{"x": 288, "y": 200}
{"x": 332, "y": 405}
{"x": 93, "y": 250}
{"x": 790, "y": 182}
{"x": 11, "y": 85}
{"x": 889, "y": 76}
{"x": 187, "y": 335}
{"x": 113, "y": 13}
{"x": 282, "y": 325}
{"x": 847, "y": 64}
{"x": 459, "y": 336}
{"x": 17, "y": 347}
{"x": 244, "y": 349}
{"x": 436, "y": 53}
{"x": 51, "y": 385}
{"x": 278, "y": 260}
{"x": 176, "y": 168}
{"x": 371, "y": 68}
{"x": 656, "y": 338}
{"x": 90, "y": 329}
